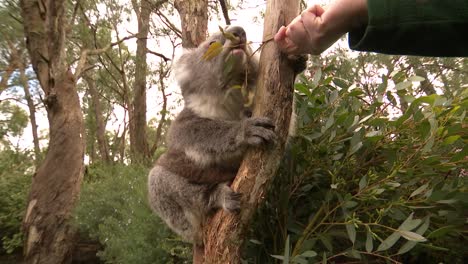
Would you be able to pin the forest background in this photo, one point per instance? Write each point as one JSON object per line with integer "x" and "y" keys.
{"x": 376, "y": 172}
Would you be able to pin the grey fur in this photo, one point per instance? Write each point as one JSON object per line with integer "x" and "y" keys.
{"x": 207, "y": 140}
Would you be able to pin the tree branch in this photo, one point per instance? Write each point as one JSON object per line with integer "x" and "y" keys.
{"x": 85, "y": 53}
{"x": 223, "y": 5}
{"x": 225, "y": 232}
{"x": 166, "y": 59}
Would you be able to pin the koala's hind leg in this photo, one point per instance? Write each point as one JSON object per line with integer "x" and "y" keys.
{"x": 224, "y": 197}
{"x": 183, "y": 222}
{"x": 171, "y": 198}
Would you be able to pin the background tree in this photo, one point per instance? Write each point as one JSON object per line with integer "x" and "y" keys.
{"x": 194, "y": 21}
{"x": 56, "y": 184}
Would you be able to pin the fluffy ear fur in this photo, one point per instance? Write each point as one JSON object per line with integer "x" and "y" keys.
{"x": 207, "y": 140}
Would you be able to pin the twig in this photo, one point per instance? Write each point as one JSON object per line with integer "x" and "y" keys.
{"x": 86, "y": 52}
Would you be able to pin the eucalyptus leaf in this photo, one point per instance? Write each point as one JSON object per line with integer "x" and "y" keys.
{"x": 369, "y": 241}
{"x": 412, "y": 236}
{"x": 351, "y": 230}
{"x": 389, "y": 241}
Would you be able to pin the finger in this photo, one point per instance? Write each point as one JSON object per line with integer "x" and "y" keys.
{"x": 317, "y": 10}
{"x": 296, "y": 32}
{"x": 286, "y": 45}
{"x": 311, "y": 18}
{"x": 281, "y": 34}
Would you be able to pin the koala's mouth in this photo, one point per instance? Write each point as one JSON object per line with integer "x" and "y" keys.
{"x": 238, "y": 49}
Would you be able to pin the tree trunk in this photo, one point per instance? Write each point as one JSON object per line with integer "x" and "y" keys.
{"x": 194, "y": 19}
{"x": 138, "y": 141}
{"x": 32, "y": 114}
{"x": 225, "y": 233}
{"x": 56, "y": 184}
{"x": 103, "y": 146}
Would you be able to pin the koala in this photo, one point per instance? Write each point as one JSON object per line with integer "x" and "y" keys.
{"x": 208, "y": 139}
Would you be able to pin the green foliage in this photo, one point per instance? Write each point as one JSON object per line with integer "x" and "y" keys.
{"x": 362, "y": 182}
{"x": 113, "y": 209}
{"x": 12, "y": 121}
{"x": 16, "y": 169}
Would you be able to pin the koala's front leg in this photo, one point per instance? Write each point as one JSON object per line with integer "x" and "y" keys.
{"x": 210, "y": 141}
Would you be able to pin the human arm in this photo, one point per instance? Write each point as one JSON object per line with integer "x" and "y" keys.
{"x": 404, "y": 27}
{"x": 414, "y": 27}
{"x": 316, "y": 29}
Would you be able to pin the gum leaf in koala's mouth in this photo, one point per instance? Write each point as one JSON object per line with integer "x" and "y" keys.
{"x": 213, "y": 50}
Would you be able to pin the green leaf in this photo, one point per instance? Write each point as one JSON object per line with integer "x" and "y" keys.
{"x": 451, "y": 139}
{"x": 389, "y": 241}
{"x": 410, "y": 244}
{"x": 337, "y": 156}
{"x": 365, "y": 118}
{"x": 214, "y": 50}
{"x": 419, "y": 190}
{"x": 278, "y": 257}
{"x": 254, "y": 241}
{"x": 403, "y": 85}
{"x": 369, "y": 241}
{"x": 441, "y": 231}
{"x": 286, "y": 251}
{"x": 303, "y": 89}
{"x": 317, "y": 77}
{"x": 309, "y": 254}
{"x": 416, "y": 78}
{"x": 406, "y": 247}
{"x": 351, "y": 230}
{"x": 333, "y": 96}
{"x": 350, "y": 204}
{"x": 328, "y": 124}
{"x": 448, "y": 201}
{"x": 410, "y": 223}
{"x": 340, "y": 83}
{"x": 355, "y": 148}
{"x": 363, "y": 182}
{"x": 412, "y": 236}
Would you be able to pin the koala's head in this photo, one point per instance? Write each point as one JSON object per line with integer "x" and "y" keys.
{"x": 223, "y": 61}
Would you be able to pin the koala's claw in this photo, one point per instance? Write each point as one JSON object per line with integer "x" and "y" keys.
{"x": 259, "y": 131}
{"x": 232, "y": 202}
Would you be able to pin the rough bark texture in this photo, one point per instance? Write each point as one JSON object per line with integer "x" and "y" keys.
{"x": 138, "y": 141}
{"x": 56, "y": 183}
{"x": 224, "y": 233}
{"x": 32, "y": 113}
{"x": 194, "y": 18}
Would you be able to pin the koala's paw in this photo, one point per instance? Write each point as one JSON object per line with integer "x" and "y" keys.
{"x": 298, "y": 62}
{"x": 259, "y": 131}
{"x": 231, "y": 201}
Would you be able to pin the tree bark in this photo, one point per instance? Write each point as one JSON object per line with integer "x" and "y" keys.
{"x": 56, "y": 183}
{"x": 138, "y": 142}
{"x": 32, "y": 114}
{"x": 225, "y": 233}
{"x": 103, "y": 145}
{"x": 194, "y": 19}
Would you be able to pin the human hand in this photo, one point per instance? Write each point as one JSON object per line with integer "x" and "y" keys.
{"x": 300, "y": 36}
{"x": 316, "y": 29}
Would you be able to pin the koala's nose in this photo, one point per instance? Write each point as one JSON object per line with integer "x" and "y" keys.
{"x": 238, "y": 32}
